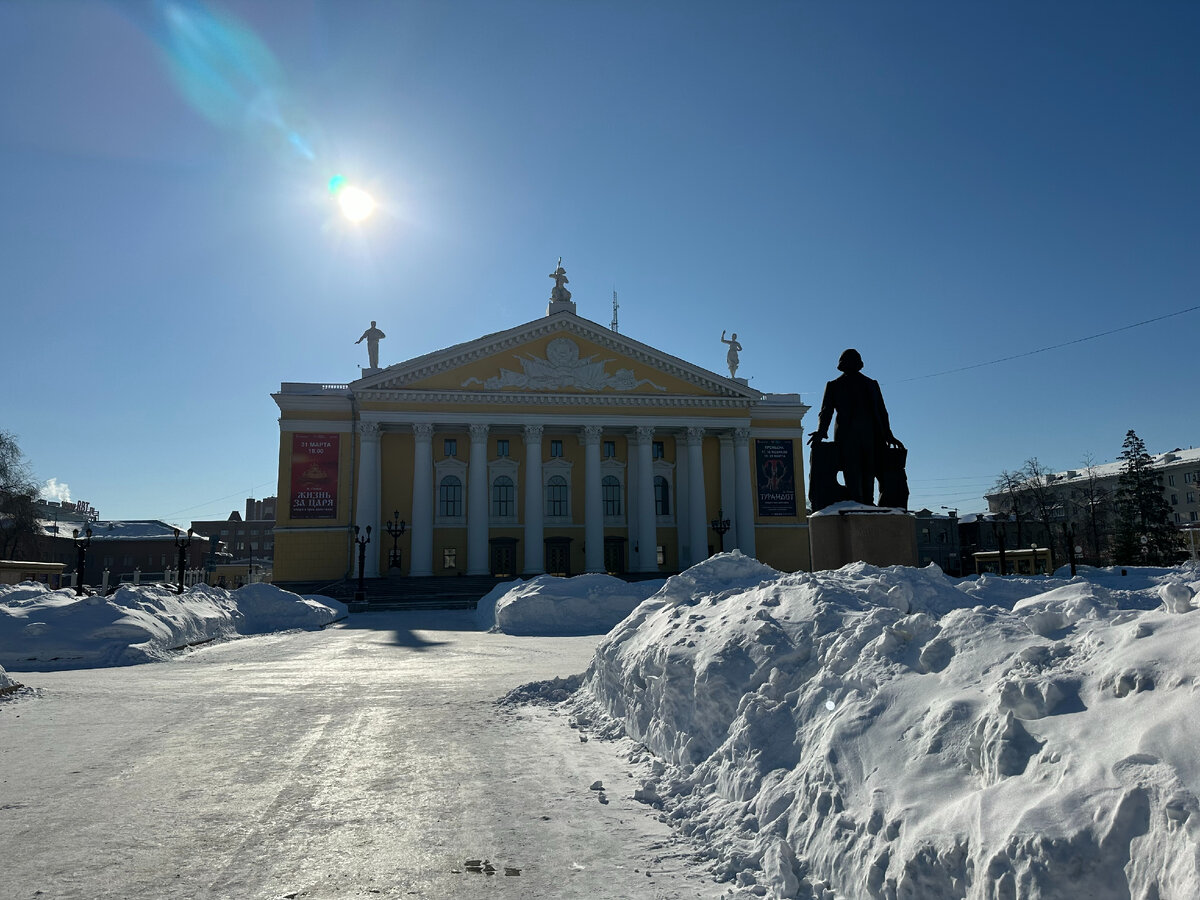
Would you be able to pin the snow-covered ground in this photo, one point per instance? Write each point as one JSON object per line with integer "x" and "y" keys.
{"x": 42, "y": 629}
{"x": 865, "y": 733}
{"x": 893, "y": 733}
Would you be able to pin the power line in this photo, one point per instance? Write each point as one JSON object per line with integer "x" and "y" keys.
{"x": 1090, "y": 337}
{"x": 216, "y": 500}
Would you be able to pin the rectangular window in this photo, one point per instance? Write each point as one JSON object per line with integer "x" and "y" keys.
{"x": 1171, "y": 480}
{"x": 502, "y": 447}
{"x": 450, "y": 446}
{"x": 108, "y": 561}
{"x": 610, "y": 449}
{"x": 662, "y": 556}
{"x": 556, "y": 448}
{"x": 1178, "y": 518}
{"x": 450, "y": 558}
{"x": 127, "y": 561}
{"x": 658, "y": 452}
{"x": 1193, "y": 516}
{"x": 1191, "y": 496}
{"x": 1174, "y": 499}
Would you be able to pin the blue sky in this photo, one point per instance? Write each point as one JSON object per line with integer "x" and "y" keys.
{"x": 936, "y": 184}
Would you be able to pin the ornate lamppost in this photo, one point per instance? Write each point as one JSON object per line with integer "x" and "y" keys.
{"x": 720, "y": 525}
{"x": 360, "y": 596}
{"x": 395, "y": 527}
{"x": 182, "y": 543}
{"x": 81, "y": 549}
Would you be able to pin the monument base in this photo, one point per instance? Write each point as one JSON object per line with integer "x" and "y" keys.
{"x": 367, "y": 370}
{"x": 881, "y": 537}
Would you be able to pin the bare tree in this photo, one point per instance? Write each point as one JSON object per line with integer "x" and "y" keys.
{"x": 1009, "y": 486}
{"x": 1044, "y": 502}
{"x": 18, "y": 491}
{"x": 1093, "y": 509}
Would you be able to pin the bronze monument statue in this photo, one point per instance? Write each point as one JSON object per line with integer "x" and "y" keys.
{"x": 863, "y": 447}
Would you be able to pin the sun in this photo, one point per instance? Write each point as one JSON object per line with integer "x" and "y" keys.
{"x": 356, "y": 204}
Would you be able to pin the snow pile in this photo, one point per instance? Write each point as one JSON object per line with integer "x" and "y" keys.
{"x": 882, "y": 733}
{"x": 6, "y": 683}
{"x": 550, "y": 605}
{"x": 43, "y": 629}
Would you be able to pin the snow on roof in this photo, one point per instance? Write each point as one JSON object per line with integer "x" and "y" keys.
{"x": 137, "y": 530}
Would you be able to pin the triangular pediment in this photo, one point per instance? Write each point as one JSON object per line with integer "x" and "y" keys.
{"x": 557, "y": 354}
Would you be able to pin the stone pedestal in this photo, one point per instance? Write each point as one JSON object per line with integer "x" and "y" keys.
{"x": 881, "y": 538}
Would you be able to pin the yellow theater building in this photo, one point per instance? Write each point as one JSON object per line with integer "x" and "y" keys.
{"x": 559, "y": 446}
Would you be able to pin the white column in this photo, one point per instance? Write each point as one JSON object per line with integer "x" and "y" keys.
{"x": 728, "y": 508}
{"x": 367, "y": 509}
{"x": 477, "y": 503}
{"x": 535, "y": 550}
{"x": 593, "y": 503}
{"x": 647, "y": 530}
{"x": 697, "y": 526}
{"x": 745, "y": 495}
{"x": 682, "y": 526}
{"x": 422, "y": 503}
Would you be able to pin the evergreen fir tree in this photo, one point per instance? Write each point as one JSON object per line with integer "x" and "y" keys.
{"x": 1145, "y": 534}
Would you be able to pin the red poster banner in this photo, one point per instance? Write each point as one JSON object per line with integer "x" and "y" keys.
{"x": 314, "y": 476}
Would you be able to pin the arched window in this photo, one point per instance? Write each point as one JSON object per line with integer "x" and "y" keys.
{"x": 503, "y": 498}
{"x": 556, "y": 496}
{"x": 450, "y": 497}
{"x": 662, "y": 496}
{"x": 610, "y": 489}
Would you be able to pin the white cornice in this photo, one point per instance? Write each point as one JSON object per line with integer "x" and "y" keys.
{"x": 422, "y": 367}
{"x": 513, "y": 398}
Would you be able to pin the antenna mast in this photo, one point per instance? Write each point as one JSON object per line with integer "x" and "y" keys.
{"x": 615, "y": 307}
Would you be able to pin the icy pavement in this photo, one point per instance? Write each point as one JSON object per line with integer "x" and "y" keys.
{"x": 367, "y": 760}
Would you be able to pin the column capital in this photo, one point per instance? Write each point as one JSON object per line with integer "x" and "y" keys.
{"x": 369, "y": 430}
{"x": 479, "y": 433}
{"x": 644, "y": 433}
{"x": 423, "y": 431}
{"x": 694, "y": 434}
{"x": 741, "y": 436}
{"x": 591, "y": 434}
{"x": 533, "y": 434}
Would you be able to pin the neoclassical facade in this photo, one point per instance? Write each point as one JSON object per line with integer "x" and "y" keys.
{"x": 557, "y": 446}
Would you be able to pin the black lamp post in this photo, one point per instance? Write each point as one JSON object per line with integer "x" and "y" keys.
{"x": 182, "y": 543}
{"x": 720, "y": 525}
{"x": 999, "y": 527}
{"x": 81, "y": 549}
{"x": 360, "y": 595}
{"x": 1069, "y": 540}
{"x": 395, "y": 527}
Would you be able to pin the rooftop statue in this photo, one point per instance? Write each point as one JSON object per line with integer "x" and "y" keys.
{"x": 372, "y": 336}
{"x": 731, "y": 358}
{"x": 560, "y": 278}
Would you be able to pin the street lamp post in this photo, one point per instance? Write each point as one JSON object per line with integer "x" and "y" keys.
{"x": 81, "y": 549}
{"x": 1033, "y": 562}
{"x": 1069, "y": 540}
{"x": 1000, "y": 529}
{"x": 360, "y": 595}
{"x": 720, "y": 525}
{"x": 395, "y": 527}
{"x": 182, "y": 544}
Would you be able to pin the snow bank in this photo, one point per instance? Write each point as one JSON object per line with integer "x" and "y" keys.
{"x": 881, "y": 733}
{"x": 43, "y": 629}
{"x": 550, "y": 605}
{"x": 6, "y": 683}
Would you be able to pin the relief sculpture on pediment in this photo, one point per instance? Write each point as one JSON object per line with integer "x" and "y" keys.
{"x": 562, "y": 368}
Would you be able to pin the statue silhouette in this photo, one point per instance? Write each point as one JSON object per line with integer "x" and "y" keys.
{"x": 862, "y": 437}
